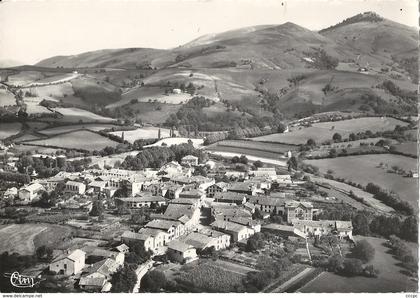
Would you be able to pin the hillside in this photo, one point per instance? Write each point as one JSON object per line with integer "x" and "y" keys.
{"x": 364, "y": 64}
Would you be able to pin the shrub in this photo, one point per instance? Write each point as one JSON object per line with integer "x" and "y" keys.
{"x": 370, "y": 271}
{"x": 364, "y": 251}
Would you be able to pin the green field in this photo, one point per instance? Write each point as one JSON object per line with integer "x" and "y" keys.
{"x": 82, "y": 139}
{"x": 324, "y": 131}
{"x": 407, "y": 148}
{"x": 365, "y": 168}
{"x": 142, "y": 133}
{"x": 269, "y": 150}
{"x": 68, "y": 128}
{"x": 6, "y": 98}
{"x": 19, "y": 238}
{"x": 246, "y": 151}
{"x": 153, "y": 113}
{"x": 390, "y": 278}
{"x": 9, "y": 129}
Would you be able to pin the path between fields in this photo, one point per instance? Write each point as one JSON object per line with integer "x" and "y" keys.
{"x": 277, "y": 162}
{"x": 292, "y": 280}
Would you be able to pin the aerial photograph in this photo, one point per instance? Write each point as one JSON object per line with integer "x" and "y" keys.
{"x": 242, "y": 146}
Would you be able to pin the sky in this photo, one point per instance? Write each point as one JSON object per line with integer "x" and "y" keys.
{"x": 32, "y": 30}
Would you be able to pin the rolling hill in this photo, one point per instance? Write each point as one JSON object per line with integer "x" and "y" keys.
{"x": 261, "y": 71}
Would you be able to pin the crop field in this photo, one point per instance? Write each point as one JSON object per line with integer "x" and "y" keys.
{"x": 25, "y": 78}
{"x": 254, "y": 145}
{"x": 142, "y": 133}
{"x": 208, "y": 276}
{"x": 324, "y": 131}
{"x": 35, "y": 149}
{"x": 82, "y": 139}
{"x": 6, "y": 98}
{"x": 68, "y": 128}
{"x": 365, "y": 168}
{"x": 51, "y": 92}
{"x": 20, "y": 238}
{"x": 390, "y": 278}
{"x": 9, "y": 129}
{"x": 246, "y": 151}
{"x": 407, "y": 148}
{"x": 25, "y": 137}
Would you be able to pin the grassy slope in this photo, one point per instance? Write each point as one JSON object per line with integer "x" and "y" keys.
{"x": 364, "y": 169}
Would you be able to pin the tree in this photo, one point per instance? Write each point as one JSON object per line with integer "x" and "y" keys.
{"x": 255, "y": 242}
{"x": 281, "y": 128}
{"x": 124, "y": 280}
{"x": 364, "y": 251}
{"x": 335, "y": 263}
{"x": 409, "y": 229}
{"x": 153, "y": 281}
{"x": 243, "y": 159}
{"x": 258, "y": 164}
{"x": 44, "y": 253}
{"x": 292, "y": 163}
{"x": 336, "y": 137}
{"x": 352, "y": 267}
{"x": 97, "y": 208}
{"x": 360, "y": 224}
{"x": 311, "y": 142}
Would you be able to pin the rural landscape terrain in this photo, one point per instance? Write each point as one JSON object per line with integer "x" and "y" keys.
{"x": 267, "y": 159}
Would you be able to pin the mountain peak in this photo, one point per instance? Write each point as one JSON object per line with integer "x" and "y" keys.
{"x": 368, "y": 16}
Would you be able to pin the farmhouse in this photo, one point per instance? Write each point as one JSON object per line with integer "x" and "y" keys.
{"x": 299, "y": 210}
{"x": 264, "y": 172}
{"x": 96, "y": 276}
{"x": 69, "y": 264}
{"x": 172, "y": 228}
{"x": 271, "y": 205}
{"x": 248, "y": 188}
{"x": 152, "y": 239}
{"x": 237, "y": 231}
{"x": 343, "y": 229}
{"x": 181, "y": 252}
{"x": 216, "y": 188}
{"x": 30, "y": 192}
{"x": 142, "y": 201}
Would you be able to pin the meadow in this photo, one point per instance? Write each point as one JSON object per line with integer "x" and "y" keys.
{"x": 407, "y": 148}
{"x": 257, "y": 146}
{"x": 9, "y": 129}
{"x": 323, "y": 131}
{"x": 176, "y": 141}
{"x": 82, "y": 139}
{"x": 20, "y": 238}
{"x": 365, "y": 168}
{"x": 142, "y": 133}
{"x": 68, "y": 128}
{"x": 6, "y": 98}
{"x": 75, "y": 115}
{"x": 390, "y": 278}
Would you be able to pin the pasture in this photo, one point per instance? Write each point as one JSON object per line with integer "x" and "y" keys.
{"x": 75, "y": 115}
{"x": 82, "y": 139}
{"x": 390, "y": 278}
{"x": 24, "y": 78}
{"x": 323, "y": 131}
{"x": 9, "y": 129}
{"x": 142, "y": 133}
{"x": 365, "y": 168}
{"x": 6, "y": 98}
{"x": 407, "y": 148}
{"x": 270, "y": 160}
{"x": 153, "y": 113}
{"x": 68, "y": 128}
{"x": 19, "y": 238}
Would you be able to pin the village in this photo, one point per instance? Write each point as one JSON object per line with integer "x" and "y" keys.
{"x": 161, "y": 219}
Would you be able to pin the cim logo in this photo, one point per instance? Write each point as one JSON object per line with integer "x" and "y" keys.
{"x": 21, "y": 281}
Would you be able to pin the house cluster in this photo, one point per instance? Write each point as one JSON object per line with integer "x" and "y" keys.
{"x": 92, "y": 265}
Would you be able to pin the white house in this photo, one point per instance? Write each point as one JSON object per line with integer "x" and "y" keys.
{"x": 30, "y": 192}
{"x": 69, "y": 264}
{"x": 181, "y": 252}
{"x": 189, "y": 160}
